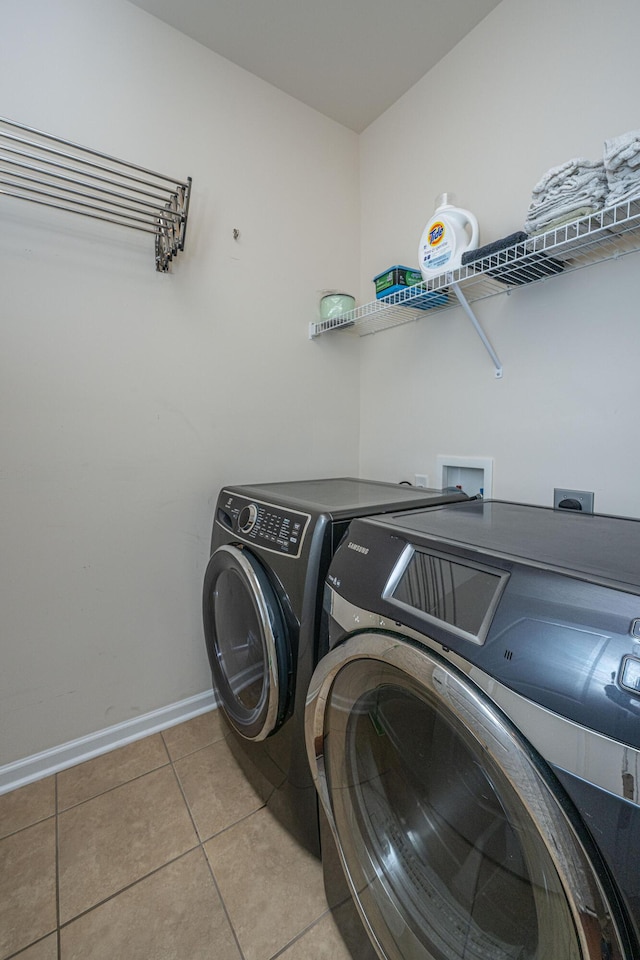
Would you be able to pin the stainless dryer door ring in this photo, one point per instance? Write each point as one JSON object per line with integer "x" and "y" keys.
{"x": 247, "y": 642}
{"x": 455, "y": 838}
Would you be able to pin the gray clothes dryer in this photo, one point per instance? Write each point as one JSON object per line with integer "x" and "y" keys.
{"x": 474, "y": 732}
{"x": 271, "y": 546}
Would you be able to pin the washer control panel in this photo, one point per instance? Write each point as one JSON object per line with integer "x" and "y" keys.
{"x": 274, "y": 528}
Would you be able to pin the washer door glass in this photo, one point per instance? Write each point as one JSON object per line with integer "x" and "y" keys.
{"x": 454, "y": 843}
{"x": 246, "y": 641}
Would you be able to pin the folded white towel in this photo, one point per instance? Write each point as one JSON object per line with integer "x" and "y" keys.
{"x": 571, "y": 185}
{"x": 593, "y": 195}
{"x": 580, "y": 187}
{"x": 570, "y": 217}
{"x": 629, "y": 190}
{"x": 622, "y": 164}
{"x": 565, "y": 192}
{"x": 624, "y": 180}
{"x": 621, "y": 150}
{"x": 558, "y": 215}
{"x": 556, "y": 175}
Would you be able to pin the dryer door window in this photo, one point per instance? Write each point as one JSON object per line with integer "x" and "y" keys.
{"x": 456, "y": 841}
{"x": 246, "y": 641}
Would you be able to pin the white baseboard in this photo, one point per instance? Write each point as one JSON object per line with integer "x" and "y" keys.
{"x": 39, "y": 765}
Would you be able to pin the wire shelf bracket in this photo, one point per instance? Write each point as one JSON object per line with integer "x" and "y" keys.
{"x": 464, "y": 303}
{"x": 52, "y": 172}
{"x": 609, "y": 234}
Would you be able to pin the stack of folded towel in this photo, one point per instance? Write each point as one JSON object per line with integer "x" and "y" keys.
{"x": 622, "y": 166}
{"x": 574, "y": 189}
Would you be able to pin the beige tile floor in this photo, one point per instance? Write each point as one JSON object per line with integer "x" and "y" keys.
{"x": 159, "y": 850}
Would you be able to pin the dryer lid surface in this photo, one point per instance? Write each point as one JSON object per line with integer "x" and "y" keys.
{"x": 596, "y": 546}
{"x": 346, "y": 497}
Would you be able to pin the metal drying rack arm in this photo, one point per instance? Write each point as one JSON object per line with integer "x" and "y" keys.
{"x": 93, "y": 184}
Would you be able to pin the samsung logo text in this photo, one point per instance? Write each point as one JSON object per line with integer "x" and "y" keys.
{"x": 356, "y": 546}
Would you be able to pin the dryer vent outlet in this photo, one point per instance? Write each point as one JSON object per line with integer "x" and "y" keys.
{"x": 579, "y": 500}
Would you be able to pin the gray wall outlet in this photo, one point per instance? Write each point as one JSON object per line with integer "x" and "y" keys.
{"x": 578, "y": 500}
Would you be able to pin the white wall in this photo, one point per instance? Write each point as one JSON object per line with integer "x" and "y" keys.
{"x": 129, "y": 397}
{"x": 532, "y": 86}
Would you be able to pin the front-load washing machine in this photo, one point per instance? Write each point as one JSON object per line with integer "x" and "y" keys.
{"x": 262, "y": 601}
{"x": 474, "y": 732}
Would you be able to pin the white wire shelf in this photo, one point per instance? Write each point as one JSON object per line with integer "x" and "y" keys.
{"x": 83, "y": 181}
{"x": 611, "y": 233}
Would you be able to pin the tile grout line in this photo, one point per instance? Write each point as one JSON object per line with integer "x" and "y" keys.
{"x": 23, "y": 950}
{"x": 116, "y": 786}
{"x": 28, "y": 826}
{"x": 169, "y": 762}
{"x": 199, "y": 845}
{"x": 63, "y": 924}
{"x": 204, "y": 853}
{"x": 223, "y": 904}
{"x": 299, "y": 936}
{"x": 128, "y": 886}
{"x": 281, "y": 950}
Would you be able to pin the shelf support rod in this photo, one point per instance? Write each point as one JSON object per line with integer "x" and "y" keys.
{"x": 487, "y": 344}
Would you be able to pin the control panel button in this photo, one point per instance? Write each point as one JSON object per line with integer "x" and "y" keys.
{"x": 247, "y": 518}
{"x": 635, "y": 628}
{"x": 630, "y": 674}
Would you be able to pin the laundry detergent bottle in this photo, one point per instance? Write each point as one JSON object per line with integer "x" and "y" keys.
{"x": 448, "y": 234}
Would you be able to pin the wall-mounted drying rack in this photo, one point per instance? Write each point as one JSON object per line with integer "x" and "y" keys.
{"x": 608, "y": 234}
{"x": 58, "y": 173}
